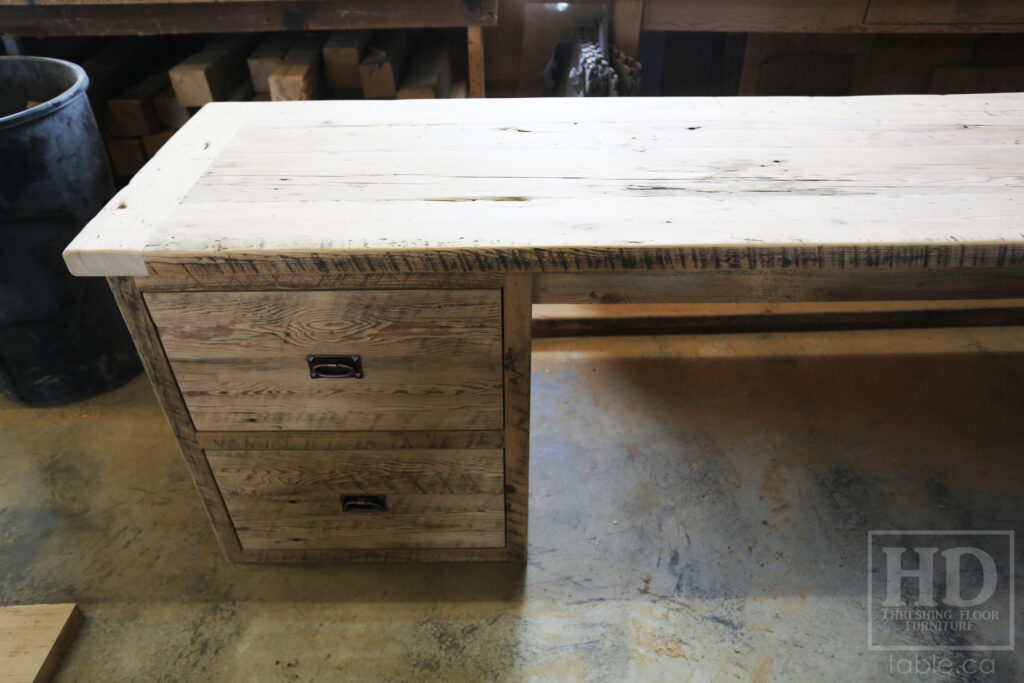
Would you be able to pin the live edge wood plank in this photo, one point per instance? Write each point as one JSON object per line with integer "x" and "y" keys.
{"x": 147, "y": 341}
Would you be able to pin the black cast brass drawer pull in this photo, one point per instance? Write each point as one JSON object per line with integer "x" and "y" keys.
{"x": 335, "y": 367}
{"x": 364, "y": 503}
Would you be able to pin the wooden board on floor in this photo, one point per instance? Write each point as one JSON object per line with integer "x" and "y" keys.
{"x": 33, "y": 638}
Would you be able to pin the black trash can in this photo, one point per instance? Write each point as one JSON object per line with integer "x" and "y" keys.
{"x": 61, "y": 337}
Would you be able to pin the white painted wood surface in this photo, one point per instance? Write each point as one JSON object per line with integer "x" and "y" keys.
{"x": 325, "y": 178}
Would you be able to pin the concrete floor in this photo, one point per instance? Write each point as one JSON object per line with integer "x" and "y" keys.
{"x": 699, "y": 511}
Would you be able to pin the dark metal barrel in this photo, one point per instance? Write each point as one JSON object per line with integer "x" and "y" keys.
{"x": 61, "y": 337}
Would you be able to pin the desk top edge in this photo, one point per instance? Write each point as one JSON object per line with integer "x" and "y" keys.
{"x": 155, "y": 218}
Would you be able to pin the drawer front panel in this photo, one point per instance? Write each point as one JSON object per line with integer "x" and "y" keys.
{"x": 292, "y": 500}
{"x": 431, "y": 359}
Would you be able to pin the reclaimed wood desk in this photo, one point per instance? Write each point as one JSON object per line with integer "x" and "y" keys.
{"x": 333, "y": 299}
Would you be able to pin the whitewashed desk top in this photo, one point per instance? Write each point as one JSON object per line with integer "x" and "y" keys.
{"x": 532, "y": 184}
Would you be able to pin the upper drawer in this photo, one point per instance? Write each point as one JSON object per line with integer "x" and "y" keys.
{"x": 431, "y": 359}
{"x": 916, "y": 12}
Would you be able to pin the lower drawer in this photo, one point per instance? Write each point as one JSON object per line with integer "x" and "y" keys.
{"x": 321, "y": 500}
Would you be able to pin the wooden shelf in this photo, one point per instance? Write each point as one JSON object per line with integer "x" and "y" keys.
{"x": 143, "y": 17}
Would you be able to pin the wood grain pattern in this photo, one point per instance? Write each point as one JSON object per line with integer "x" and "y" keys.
{"x": 627, "y": 18}
{"x": 475, "y": 48}
{"x": 33, "y": 638}
{"x": 431, "y": 358}
{"x": 180, "y": 277}
{"x": 147, "y": 341}
{"x": 755, "y": 16}
{"x": 916, "y": 12}
{"x": 112, "y": 19}
{"x": 342, "y": 53}
{"x": 435, "y": 499}
{"x": 555, "y": 320}
{"x": 836, "y": 16}
{"x": 300, "y": 74}
{"x": 131, "y": 112}
{"x": 724, "y": 285}
{"x": 267, "y": 56}
{"x": 328, "y": 440}
{"x": 828, "y": 179}
{"x": 383, "y": 64}
{"x": 213, "y": 72}
{"x": 518, "y": 315}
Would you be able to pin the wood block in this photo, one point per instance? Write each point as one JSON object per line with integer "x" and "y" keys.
{"x": 300, "y": 75}
{"x": 126, "y": 155}
{"x": 168, "y": 110}
{"x": 429, "y": 75}
{"x": 458, "y": 91}
{"x": 383, "y": 65}
{"x": 152, "y": 143}
{"x": 266, "y": 57}
{"x": 213, "y": 72}
{"x": 132, "y": 112}
{"x": 33, "y": 638}
{"x": 343, "y": 51}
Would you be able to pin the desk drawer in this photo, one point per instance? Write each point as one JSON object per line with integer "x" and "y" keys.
{"x": 321, "y": 500}
{"x": 431, "y": 359}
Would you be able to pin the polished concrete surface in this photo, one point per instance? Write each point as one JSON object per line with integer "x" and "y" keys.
{"x": 700, "y": 510}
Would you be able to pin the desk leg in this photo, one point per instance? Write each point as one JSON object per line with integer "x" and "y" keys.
{"x": 518, "y": 306}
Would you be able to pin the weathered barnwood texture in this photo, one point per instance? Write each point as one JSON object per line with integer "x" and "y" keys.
{"x": 516, "y": 361}
{"x": 144, "y": 17}
{"x": 431, "y": 358}
{"x": 147, "y": 341}
{"x": 835, "y": 16}
{"x": 769, "y": 188}
{"x": 434, "y": 499}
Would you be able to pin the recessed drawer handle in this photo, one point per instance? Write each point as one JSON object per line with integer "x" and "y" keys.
{"x": 335, "y": 367}
{"x": 364, "y": 504}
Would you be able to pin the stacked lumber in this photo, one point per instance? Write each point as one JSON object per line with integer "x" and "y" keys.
{"x": 139, "y": 120}
{"x": 139, "y": 114}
